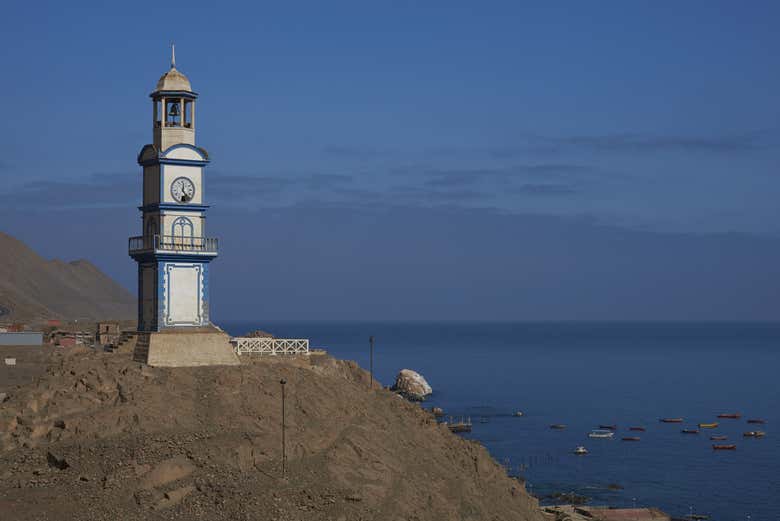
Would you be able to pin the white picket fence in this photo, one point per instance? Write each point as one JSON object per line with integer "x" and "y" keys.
{"x": 271, "y": 346}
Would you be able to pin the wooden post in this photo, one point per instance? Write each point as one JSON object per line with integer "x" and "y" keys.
{"x": 371, "y": 360}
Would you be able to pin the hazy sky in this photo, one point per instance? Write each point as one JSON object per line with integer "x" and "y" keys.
{"x": 508, "y": 160}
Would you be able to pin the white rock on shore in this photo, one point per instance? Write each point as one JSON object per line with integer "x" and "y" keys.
{"x": 412, "y": 385}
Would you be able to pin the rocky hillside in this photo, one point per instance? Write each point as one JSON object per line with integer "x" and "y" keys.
{"x": 32, "y": 287}
{"x": 99, "y": 437}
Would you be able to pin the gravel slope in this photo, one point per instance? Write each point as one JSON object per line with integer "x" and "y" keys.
{"x": 100, "y": 437}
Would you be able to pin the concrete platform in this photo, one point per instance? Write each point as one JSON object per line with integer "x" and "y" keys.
{"x": 185, "y": 347}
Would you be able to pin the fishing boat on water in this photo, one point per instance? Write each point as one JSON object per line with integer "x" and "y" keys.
{"x": 580, "y": 450}
{"x": 608, "y": 427}
{"x": 708, "y": 425}
{"x": 754, "y": 434}
{"x": 639, "y": 429}
{"x": 631, "y": 438}
{"x": 558, "y": 426}
{"x": 718, "y": 437}
{"x": 690, "y": 431}
{"x": 757, "y": 420}
{"x": 671, "y": 420}
{"x": 601, "y": 433}
{"x": 724, "y": 447}
{"x": 731, "y": 415}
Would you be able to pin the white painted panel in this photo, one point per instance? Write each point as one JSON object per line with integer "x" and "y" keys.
{"x": 184, "y": 153}
{"x": 183, "y": 294}
{"x": 193, "y": 173}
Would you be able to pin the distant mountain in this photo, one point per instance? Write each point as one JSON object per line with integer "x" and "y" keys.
{"x": 32, "y": 287}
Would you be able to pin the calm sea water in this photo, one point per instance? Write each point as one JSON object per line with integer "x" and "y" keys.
{"x": 583, "y": 375}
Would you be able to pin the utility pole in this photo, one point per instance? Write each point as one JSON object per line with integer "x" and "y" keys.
{"x": 371, "y": 360}
{"x": 284, "y": 451}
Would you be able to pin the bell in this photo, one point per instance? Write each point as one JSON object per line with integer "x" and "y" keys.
{"x": 174, "y": 110}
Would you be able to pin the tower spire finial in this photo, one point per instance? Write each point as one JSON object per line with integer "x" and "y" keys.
{"x": 173, "y": 55}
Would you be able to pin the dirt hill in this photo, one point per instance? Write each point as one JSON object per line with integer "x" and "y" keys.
{"x": 32, "y": 288}
{"x": 98, "y": 437}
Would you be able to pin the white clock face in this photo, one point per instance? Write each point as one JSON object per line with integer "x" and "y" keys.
{"x": 182, "y": 190}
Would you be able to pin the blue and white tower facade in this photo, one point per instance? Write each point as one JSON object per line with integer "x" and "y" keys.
{"x": 173, "y": 252}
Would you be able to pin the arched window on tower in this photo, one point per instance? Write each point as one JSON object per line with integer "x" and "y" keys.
{"x": 183, "y": 232}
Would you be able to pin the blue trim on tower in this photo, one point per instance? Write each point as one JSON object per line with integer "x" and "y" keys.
{"x": 154, "y": 207}
{"x": 180, "y": 93}
{"x": 150, "y": 256}
{"x": 165, "y": 161}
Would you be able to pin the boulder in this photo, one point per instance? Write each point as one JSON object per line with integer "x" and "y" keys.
{"x": 170, "y": 470}
{"x": 259, "y": 333}
{"x": 411, "y": 385}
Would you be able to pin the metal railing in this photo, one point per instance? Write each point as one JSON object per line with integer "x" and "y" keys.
{"x": 270, "y": 346}
{"x": 173, "y": 243}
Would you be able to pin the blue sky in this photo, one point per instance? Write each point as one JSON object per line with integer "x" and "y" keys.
{"x": 658, "y": 120}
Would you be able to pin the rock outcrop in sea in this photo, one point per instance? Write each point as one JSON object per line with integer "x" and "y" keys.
{"x": 411, "y": 385}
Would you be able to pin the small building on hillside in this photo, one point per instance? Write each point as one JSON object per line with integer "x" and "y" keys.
{"x": 60, "y": 337}
{"x": 107, "y": 333}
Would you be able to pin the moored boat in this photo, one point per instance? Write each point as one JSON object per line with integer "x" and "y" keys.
{"x": 690, "y": 431}
{"x": 580, "y": 450}
{"x": 608, "y": 427}
{"x": 732, "y": 415}
{"x": 671, "y": 420}
{"x": 639, "y": 429}
{"x": 631, "y": 438}
{"x": 558, "y": 426}
{"x": 708, "y": 425}
{"x": 724, "y": 447}
{"x": 754, "y": 434}
{"x": 718, "y": 437}
{"x": 518, "y": 413}
{"x": 757, "y": 420}
{"x": 601, "y": 433}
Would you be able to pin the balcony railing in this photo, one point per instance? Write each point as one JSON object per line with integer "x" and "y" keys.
{"x": 173, "y": 243}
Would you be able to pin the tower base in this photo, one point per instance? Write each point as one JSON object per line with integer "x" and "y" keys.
{"x": 188, "y": 347}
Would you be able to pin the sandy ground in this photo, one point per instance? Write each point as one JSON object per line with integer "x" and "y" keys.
{"x": 93, "y": 435}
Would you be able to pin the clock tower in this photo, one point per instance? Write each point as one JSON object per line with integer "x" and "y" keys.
{"x": 173, "y": 251}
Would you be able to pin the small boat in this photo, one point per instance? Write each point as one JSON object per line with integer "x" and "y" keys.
{"x": 558, "y": 426}
{"x": 518, "y": 414}
{"x": 690, "y": 431}
{"x": 697, "y": 517}
{"x": 630, "y": 438}
{"x": 601, "y": 433}
{"x": 757, "y": 420}
{"x": 580, "y": 450}
{"x": 718, "y": 438}
{"x": 639, "y": 429}
{"x": 608, "y": 427}
{"x": 708, "y": 425}
{"x": 460, "y": 426}
{"x": 754, "y": 434}
{"x": 731, "y": 415}
{"x": 724, "y": 447}
{"x": 671, "y": 420}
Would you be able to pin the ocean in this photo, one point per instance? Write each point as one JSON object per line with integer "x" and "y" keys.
{"x": 586, "y": 374}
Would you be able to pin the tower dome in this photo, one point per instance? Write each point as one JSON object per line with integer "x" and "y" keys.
{"x": 174, "y": 80}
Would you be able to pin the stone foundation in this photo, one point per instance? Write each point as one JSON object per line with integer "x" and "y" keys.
{"x": 185, "y": 348}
